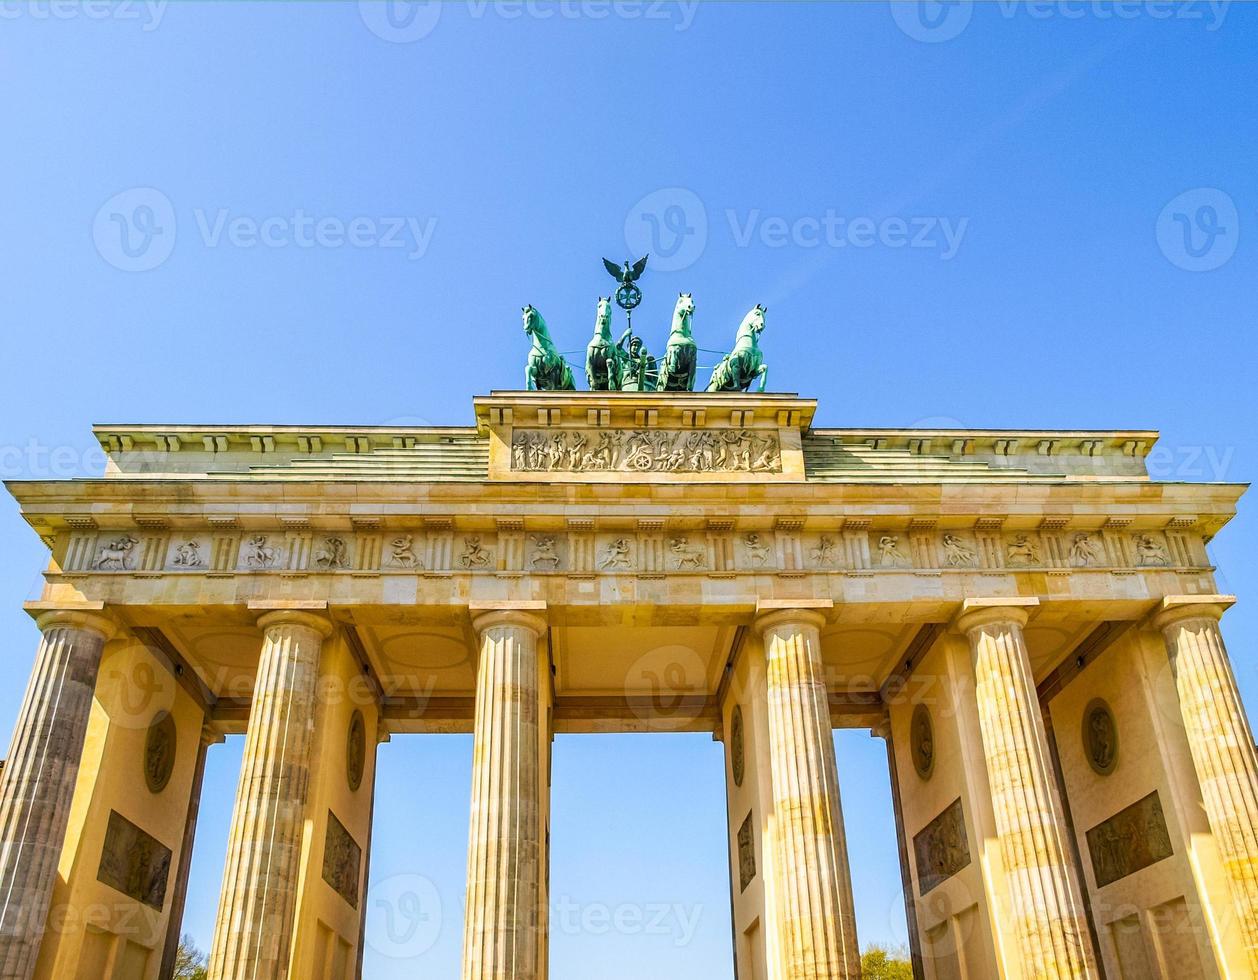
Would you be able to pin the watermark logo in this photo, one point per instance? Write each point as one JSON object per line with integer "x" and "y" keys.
{"x": 403, "y": 916}
{"x": 932, "y": 21}
{"x": 1198, "y": 231}
{"x": 833, "y": 230}
{"x": 148, "y": 13}
{"x": 673, "y": 921}
{"x": 671, "y": 225}
{"x": 135, "y": 230}
{"x": 400, "y": 21}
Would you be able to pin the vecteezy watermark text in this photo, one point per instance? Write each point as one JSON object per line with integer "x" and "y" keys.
{"x": 148, "y": 13}
{"x": 407, "y": 21}
{"x": 672, "y": 225}
{"x": 935, "y": 21}
{"x": 136, "y": 229}
{"x": 833, "y": 230}
{"x": 672, "y": 919}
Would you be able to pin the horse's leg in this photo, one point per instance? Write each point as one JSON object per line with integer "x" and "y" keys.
{"x": 764, "y": 376}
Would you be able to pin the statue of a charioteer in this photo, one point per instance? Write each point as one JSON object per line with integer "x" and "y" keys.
{"x": 626, "y": 364}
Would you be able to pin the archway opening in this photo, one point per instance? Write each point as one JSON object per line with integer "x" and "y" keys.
{"x": 639, "y": 858}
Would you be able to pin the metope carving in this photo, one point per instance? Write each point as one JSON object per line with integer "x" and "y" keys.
{"x": 757, "y": 551}
{"x": 825, "y": 555}
{"x": 544, "y": 554}
{"x": 475, "y": 555}
{"x": 1150, "y": 551}
{"x": 402, "y": 552}
{"x": 259, "y": 554}
{"x": 684, "y": 556}
{"x": 646, "y": 451}
{"x": 333, "y": 554}
{"x": 115, "y": 556}
{"x": 942, "y": 848}
{"x": 1022, "y": 552}
{"x": 188, "y": 555}
{"x": 617, "y": 555}
{"x": 1084, "y": 551}
{"x": 889, "y": 553}
{"x": 134, "y": 862}
{"x": 957, "y": 553}
{"x": 1131, "y": 839}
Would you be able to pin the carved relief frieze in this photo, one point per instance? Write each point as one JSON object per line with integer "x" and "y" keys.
{"x": 721, "y": 549}
{"x": 342, "y": 859}
{"x": 746, "y": 854}
{"x": 134, "y": 862}
{"x": 646, "y": 451}
{"x": 1131, "y": 839}
{"x": 942, "y": 848}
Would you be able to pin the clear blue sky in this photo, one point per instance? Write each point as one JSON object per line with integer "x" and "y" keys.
{"x": 1037, "y": 216}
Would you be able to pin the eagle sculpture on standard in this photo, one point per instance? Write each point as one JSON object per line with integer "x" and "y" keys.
{"x": 627, "y": 274}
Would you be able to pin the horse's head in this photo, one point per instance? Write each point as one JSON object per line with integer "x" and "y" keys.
{"x": 683, "y": 312}
{"x": 753, "y": 322}
{"x": 603, "y": 319}
{"x": 534, "y": 325}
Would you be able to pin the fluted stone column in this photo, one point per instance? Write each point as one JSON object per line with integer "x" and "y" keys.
{"x": 814, "y": 916}
{"x": 1221, "y": 742}
{"x": 37, "y": 784}
{"x": 253, "y": 933}
{"x": 1048, "y": 916}
{"x": 503, "y": 932}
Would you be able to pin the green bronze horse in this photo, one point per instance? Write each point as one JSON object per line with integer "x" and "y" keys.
{"x": 602, "y": 356}
{"x": 744, "y": 363}
{"x": 681, "y": 357}
{"x": 546, "y": 369}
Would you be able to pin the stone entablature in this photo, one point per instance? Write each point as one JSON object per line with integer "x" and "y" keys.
{"x": 465, "y": 453}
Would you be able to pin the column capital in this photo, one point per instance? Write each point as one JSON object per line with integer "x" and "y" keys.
{"x": 530, "y": 615}
{"x": 784, "y": 612}
{"x": 1174, "y": 609}
{"x": 977, "y": 613}
{"x": 90, "y": 616}
{"x": 309, "y": 619}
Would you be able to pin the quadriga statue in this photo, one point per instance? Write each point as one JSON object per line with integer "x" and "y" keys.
{"x": 546, "y": 369}
{"x": 741, "y": 366}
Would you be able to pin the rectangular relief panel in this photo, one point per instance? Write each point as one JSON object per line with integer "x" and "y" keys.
{"x": 134, "y": 862}
{"x": 342, "y": 857}
{"x": 942, "y": 848}
{"x": 1133, "y": 838}
{"x": 746, "y": 854}
{"x": 646, "y": 451}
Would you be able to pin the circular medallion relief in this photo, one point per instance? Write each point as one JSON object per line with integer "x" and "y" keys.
{"x": 355, "y": 750}
{"x": 1100, "y": 737}
{"x": 159, "y": 752}
{"x": 737, "y": 758}
{"x": 922, "y": 741}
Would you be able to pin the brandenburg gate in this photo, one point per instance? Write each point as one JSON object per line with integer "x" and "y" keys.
{"x": 1028, "y": 620}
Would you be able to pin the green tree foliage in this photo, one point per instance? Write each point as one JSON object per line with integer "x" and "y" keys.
{"x": 189, "y": 961}
{"x": 880, "y": 963}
